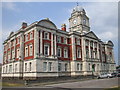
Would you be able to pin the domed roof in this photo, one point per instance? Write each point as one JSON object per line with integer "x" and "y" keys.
{"x": 79, "y": 9}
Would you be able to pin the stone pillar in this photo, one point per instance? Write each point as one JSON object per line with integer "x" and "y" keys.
{"x": 55, "y": 43}
{"x": 21, "y": 46}
{"x": 52, "y": 44}
{"x": 41, "y": 43}
{"x": 36, "y": 43}
{"x": 14, "y": 48}
{"x": 73, "y": 48}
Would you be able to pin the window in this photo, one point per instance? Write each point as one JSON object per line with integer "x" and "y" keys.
{"x": 12, "y": 53}
{"x": 44, "y": 66}
{"x": 30, "y": 66}
{"x": 18, "y": 52}
{"x": 59, "y": 52}
{"x": 96, "y": 54}
{"x": 65, "y": 53}
{"x": 87, "y": 53}
{"x": 50, "y": 66}
{"x": 59, "y": 66}
{"x": 87, "y": 43}
{"x": 78, "y": 67}
{"x": 66, "y": 66}
{"x": 26, "y": 37}
{"x": 25, "y": 66}
{"x": 10, "y": 68}
{"x": 110, "y": 57}
{"x": 97, "y": 67}
{"x": 78, "y": 42}
{"x": 84, "y": 21}
{"x": 18, "y": 40}
{"x": 59, "y": 39}
{"x": 15, "y": 67}
{"x": 31, "y": 50}
{"x": 81, "y": 67}
{"x": 26, "y": 51}
{"x": 46, "y": 35}
{"x": 95, "y": 45}
{"x": 8, "y": 55}
{"x": 91, "y": 53}
{"x": 78, "y": 53}
{"x": 65, "y": 40}
{"x": 6, "y": 69}
{"x": 31, "y": 35}
{"x": 89, "y": 66}
{"x": 91, "y": 44}
{"x": 46, "y": 49}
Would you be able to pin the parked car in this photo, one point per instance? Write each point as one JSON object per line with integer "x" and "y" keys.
{"x": 106, "y": 75}
{"x": 109, "y": 75}
{"x": 114, "y": 74}
{"x": 118, "y": 75}
{"x": 102, "y": 76}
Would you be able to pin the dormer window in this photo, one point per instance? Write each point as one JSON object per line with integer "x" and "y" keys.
{"x": 46, "y": 35}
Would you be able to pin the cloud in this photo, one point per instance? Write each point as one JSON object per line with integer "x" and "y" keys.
{"x": 10, "y": 6}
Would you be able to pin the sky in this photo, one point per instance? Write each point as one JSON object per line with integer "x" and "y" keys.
{"x": 103, "y": 17}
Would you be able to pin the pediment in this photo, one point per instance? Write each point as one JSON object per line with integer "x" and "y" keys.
{"x": 110, "y": 43}
{"x": 91, "y": 35}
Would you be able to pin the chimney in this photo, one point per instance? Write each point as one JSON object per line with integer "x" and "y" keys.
{"x": 63, "y": 27}
{"x": 24, "y": 25}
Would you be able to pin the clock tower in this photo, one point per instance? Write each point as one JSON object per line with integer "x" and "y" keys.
{"x": 79, "y": 21}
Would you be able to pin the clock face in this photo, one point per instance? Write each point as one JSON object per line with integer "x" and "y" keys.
{"x": 74, "y": 21}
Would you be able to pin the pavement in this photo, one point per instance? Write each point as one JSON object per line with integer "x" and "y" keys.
{"x": 99, "y": 84}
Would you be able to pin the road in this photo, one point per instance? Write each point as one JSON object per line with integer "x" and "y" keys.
{"x": 96, "y": 83}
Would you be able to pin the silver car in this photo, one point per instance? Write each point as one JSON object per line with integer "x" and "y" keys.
{"x": 102, "y": 76}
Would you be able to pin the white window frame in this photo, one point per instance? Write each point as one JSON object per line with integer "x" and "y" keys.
{"x": 13, "y": 53}
{"x": 47, "y": 50}
{"x": 30, "y": 50}
{"x": 78, "y": 66}
{"x": 66, "y": 67}
{"x": 65, "y": 40}
{"x": 78, "y": 53}
{"x": 16, "y": 67}
{"x": 31, "y": 35}
{"x": 26, "y": 51}
{"x": 59, "y": 54}
{"x": 18, "y": 52}
{"x": 26, "y": 37}
{"x": 50, "y": 66}
{"x": 59, "y": 66}
{"x": 25, "y": 67}
{"x": 30, "y": 66}
{"x": 58, "y": 39}
{"x": 78, "y": 41}
{"x": 44, "y": 66}
{"x": 65, "y": 53}
{"x": 8, "y": 55}
{"x": 46, "y": 35}
{"x": 10, "y": 68}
